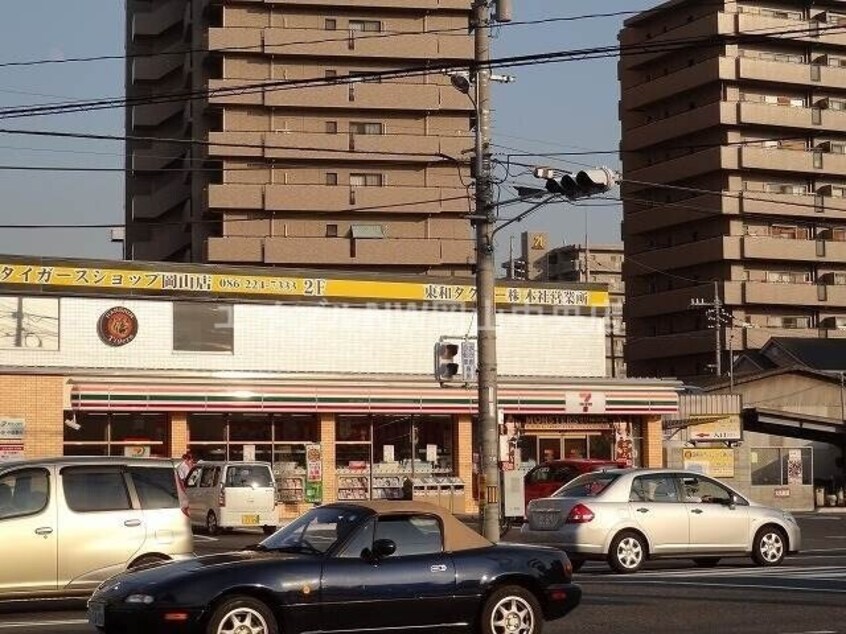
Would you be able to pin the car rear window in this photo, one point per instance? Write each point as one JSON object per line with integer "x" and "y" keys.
{"x": 588, "y": 485}
{"x": 156, "y": 487}
{"x": 252, "y": 476}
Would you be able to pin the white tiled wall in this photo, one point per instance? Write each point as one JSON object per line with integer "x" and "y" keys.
{"x": 322, "y": 339}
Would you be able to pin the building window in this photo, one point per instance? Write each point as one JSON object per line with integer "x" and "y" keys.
{"x": 331, "y": 127}
{"x": 29, "y": 322}
{"x": 790, "y": 232}
{"x": 366, "y": 180}
{"x": 331, "y": 178}
{"x": 375, "y": 455}
{"x": 330, "y": 24}
{"x": 357, "y": 127}
{"x": 373, "y": 26}
{"x": 117, "y": 435}
{"x": 202, "y": 327}
{"x": 782, "y": 466}
{"x": 331, "y": 231}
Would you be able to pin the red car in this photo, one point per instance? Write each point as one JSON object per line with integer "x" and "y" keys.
{"x": 546, "y": 478}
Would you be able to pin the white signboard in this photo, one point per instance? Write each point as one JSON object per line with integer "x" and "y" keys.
{"x": 249, "y": 453}
{"x": 11, "y": 452}
{"x": 388, "y": 453}
{"x": 431, "y": 453}
{"x": 12, "y": 428}
{"x": 586, "y": 402}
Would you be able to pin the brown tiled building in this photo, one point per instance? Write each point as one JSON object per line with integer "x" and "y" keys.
{"x": 733, "y": 143}
{"x": 368, "y": 175}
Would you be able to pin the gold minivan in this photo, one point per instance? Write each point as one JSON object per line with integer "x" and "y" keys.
{"x": 67, "y": 524}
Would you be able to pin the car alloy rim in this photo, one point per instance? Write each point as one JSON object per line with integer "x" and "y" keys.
{"x": 629, "y": 552}
{"x": 513, "y": 615}
{"x": 772, "y": 547}
{"x": 243, "y": 621}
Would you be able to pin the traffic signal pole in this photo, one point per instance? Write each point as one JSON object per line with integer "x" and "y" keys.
{"x": 485, "y": 217}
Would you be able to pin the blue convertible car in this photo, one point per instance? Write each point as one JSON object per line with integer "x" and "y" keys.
{"x": 349, "y": 567}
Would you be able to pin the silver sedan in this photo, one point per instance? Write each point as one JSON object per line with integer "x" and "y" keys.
{"x": 626, "y": 516}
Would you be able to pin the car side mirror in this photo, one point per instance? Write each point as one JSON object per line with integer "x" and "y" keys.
{"x": 734, "y": 500}
{"x": 383, "y": 548}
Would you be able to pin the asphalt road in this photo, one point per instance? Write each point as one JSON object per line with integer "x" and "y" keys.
{"x": 807, "y": 595}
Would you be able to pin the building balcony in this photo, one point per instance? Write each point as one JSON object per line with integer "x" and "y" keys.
{"x": 153, "y": 115}
{"x": 157, "y": 21}
{"x": 338, "y": 199}
{"x": 163, "y": 199}
{"x": 343, "y": 44}
{"x": 679, "y": 344}
{"x": 665, "y": 302}
{"x": 689, "y": 78}
{"x": 154, "y": 68}
{"x": 341, "y": 252}
{"x": 688, "y": 166}
{"x": 354, "y": 96}
{"x": 416, "y": 6}
{"x": 770, "y": 248}
{"x": 641, "y": 218}
{"x": 342, "y": 146}
{"x": 684, "y": 255}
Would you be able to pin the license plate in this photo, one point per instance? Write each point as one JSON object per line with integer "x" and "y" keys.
{"x": 250, "y": 520}
{"x": 545, "y": 521}
{"x": 97, "y": 614}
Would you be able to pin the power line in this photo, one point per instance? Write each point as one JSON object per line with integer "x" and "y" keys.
{"x": 274, "y": 47}
{"x": 669, "y": 45}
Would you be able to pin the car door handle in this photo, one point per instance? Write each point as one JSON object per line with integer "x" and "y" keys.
{"x": 642, "y": 510}
{"x": 438, "y": 568}
{"x": 44, "y": 530}
{"x": 697, "y": 511}
{"x": 132, "y": 523}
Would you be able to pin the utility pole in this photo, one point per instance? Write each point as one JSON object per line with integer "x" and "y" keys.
{"x": 717, "y": 317}
{"x": 485, "y": 282}
{"x": 511, "y": 258}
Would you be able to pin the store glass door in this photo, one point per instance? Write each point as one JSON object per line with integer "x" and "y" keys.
{"x": 549, "y": 448}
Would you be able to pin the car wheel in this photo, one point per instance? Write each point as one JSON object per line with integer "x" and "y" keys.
{"x": 242, "y": 614}
{"x": 212, "y": 527}
{"x": 268, "y": 530}
{"x": 627, "y": 553}
{"x": 148, "y": 560}
{"x": 769, "y": 547}
{"x": 706, "y": 562}
{"x": 512, "y": 610}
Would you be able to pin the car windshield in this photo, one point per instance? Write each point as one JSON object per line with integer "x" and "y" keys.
{"x": 589, "y": 485}
{"x": 315, "y": 532}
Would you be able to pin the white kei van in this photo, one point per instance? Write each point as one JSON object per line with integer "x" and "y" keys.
{"x": 225, "y": 495}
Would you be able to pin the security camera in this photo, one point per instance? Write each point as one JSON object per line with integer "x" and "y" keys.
{"x": 70, "y": 421}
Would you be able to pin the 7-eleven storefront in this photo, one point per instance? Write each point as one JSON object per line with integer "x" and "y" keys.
{"x": 344, "y": 440}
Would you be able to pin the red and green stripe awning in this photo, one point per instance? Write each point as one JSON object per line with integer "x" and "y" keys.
{"x": 369, "y": 398}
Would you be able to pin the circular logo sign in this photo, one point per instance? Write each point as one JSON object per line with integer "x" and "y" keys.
{"x": 117, "y": 326}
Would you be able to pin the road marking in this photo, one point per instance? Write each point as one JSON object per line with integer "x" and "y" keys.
{"x": 205, "y": 538}
{"x": 747, "y": 586}
{"x": 20, "y": 624}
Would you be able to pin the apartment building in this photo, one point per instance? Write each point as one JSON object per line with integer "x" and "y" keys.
{"x": 734, "y": 153}
{"x": 583, "y": 263}
{"x": 231, "y": 165}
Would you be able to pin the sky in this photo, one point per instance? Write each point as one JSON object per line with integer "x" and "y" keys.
{"x": 550, "y": 108}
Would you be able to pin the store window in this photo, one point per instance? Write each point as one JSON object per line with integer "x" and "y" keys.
{"x": 280, "y": 439}
{"x": 118, "y": 434}
{"x": 202, "y": 327}
{"x": 375, "y": 455}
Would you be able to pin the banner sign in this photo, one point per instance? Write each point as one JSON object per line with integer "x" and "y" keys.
{"x": 715, "y": 428}
{"x": 717, "y": 463}
{"x": 234, "y": 284}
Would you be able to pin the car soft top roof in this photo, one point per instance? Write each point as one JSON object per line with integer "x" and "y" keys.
{"x": 457, "y": 535}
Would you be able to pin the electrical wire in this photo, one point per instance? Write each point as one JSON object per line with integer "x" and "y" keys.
{"x": 669, "y": 45}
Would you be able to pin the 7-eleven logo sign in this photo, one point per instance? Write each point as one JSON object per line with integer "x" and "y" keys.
{"x": 585, "y": 402}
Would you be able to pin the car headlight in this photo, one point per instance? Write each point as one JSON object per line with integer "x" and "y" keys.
{"x": 144, "y": 599}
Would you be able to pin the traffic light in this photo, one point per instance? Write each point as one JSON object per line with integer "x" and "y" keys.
{"x": 455, "y": 360}
{"x": 582, "y": 184}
